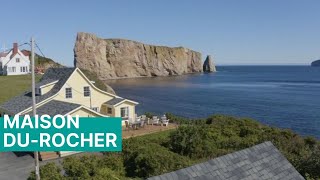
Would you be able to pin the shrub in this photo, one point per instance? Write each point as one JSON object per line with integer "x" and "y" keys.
{"x": 83, "y": 167}
{"x": 191, "y": 141}
{"x": 145, "y": 161}
{"x": 50, "y": 171}
{"x": 106, "y": 173}
{"x": 113, "y": 161}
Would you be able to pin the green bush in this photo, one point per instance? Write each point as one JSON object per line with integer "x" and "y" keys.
{"x": 83, "y": 167}
{"x": 50, "y": 171}
{"x": 194, "y": 141}
{"x": 113, "y": 161}
{"x": 191, "y": 141}
{"x": 145, "y": 161}
{"x": 106, "y": 173}
{"x": 94, "y": 167}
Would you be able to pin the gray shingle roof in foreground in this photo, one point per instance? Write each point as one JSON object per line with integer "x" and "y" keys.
{"x": 55, "y": 107}
{"x": 115, "y": 101}
{"x": 263, "y": 161}
{"x": 24, "y": 101}
{"x": 15, "y": 166}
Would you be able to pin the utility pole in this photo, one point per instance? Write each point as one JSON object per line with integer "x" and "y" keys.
{"x": 36, "y": 157}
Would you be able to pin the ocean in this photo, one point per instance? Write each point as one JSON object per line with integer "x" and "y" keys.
{"x": 280, "y": 96}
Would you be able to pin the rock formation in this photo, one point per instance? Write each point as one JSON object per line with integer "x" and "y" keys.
{"x": 316, "y": 63}
{"x": 208, "y": 65}
{"x": 119, "y": 58}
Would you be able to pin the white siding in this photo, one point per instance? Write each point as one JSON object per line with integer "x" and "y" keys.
{"x": 12, "y": 67}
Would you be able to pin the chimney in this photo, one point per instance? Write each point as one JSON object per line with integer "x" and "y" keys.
{"x": 15, "y": 48}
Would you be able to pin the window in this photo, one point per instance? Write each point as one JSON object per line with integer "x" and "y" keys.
{"x": 13, "y": 69}
{"x": 68, "y": 93}
{"x": 124, "y": 112}
{"x": 95, "y": 109}
{"x": 17, "y": 60}
{"x": 86, "y": 91}
{"x": 23, "y": 69}
{"x": 109, "y": 110}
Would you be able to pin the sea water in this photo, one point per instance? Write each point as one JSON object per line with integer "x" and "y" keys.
{"x": 280, "y": 96}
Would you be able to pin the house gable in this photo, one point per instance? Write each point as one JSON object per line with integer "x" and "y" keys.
{"x": 23, "y": 61}
{"x": 77, "y": 81}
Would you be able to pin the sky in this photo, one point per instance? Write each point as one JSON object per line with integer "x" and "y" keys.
{"x": 246, "y": 32}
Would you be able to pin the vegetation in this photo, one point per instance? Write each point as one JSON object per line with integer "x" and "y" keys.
{"x": 14, "y": 85}
{"x": 50, "y": 171}
{"x": 41, "y": 61}
{"x": 194, "y": 141}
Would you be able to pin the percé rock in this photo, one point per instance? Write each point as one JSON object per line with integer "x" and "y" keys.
{"x": 208, "y": 65}
{"x": 120, "y": 58}
{"x": 316, "y": 63}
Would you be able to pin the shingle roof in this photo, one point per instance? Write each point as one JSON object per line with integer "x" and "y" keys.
{"x": 114, "y": 101}
{"x": 24, "y": 101}
{"x": 44, "y": 82}
{"x": 55, "y": 107}
{"x": 263, "y": 161}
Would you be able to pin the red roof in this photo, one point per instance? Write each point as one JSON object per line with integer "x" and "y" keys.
{"x": 25, "y": 52}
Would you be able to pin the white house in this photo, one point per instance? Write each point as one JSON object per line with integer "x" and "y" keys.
{"x": 14, "y": 62}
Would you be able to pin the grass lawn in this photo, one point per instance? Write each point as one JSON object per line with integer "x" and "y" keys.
{"x": 14, "y": 85}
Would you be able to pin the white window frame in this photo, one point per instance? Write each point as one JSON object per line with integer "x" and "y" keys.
{"x": 68, "y": 94}
{"x": 126, "y": 112}
{"x": 96, "y": 109}
{"x": 86, "y": 91}
{"x": 17, "y": 60}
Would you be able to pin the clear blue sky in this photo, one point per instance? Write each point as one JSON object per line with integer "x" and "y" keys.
{"x": 234, "y": 32}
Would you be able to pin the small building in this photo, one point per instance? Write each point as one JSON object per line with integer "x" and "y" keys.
{"x": 14, "y": 62}
{"x": 67, "y": 91}
{"x": 262, "y": 161}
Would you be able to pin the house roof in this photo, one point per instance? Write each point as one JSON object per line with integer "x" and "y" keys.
{"x": 45, "y": 82}
{"x": 24, "y": 101}
{"x": 3, "y": 54}
{"x": 115, "y": 101}
{"x": 51, "y": 109}
{"x": 263, "y": 161}
{"x": 25, "y": 52}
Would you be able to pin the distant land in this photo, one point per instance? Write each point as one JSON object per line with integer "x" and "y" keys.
{"x": 121, "y": 58}
{"x": 43, "y": 62}
{"x": 316, "y": 63}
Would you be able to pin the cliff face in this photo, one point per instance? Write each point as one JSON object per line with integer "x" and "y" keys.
{"x": 119, "y": 58}
{"x": 316, "y": 63}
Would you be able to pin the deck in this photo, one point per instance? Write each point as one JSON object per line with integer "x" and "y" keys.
{"x": 148, "y": 129}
